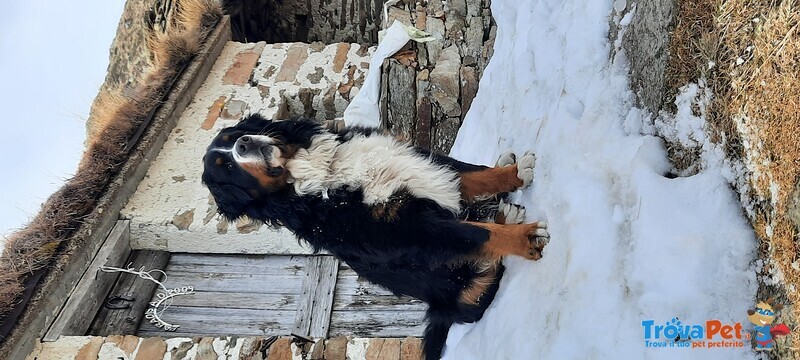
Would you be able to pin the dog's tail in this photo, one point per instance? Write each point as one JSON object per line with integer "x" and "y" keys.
{"x": 436, "y": 335}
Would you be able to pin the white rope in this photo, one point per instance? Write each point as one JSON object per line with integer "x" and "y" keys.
{"x": 164, "y": 301}
{"x": 140, "y": 273}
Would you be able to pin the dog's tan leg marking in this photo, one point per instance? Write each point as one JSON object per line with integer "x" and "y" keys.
{"x": 489, "y": 182}
{"x": 525, "y": 240}
{"x": 472, "y": 294}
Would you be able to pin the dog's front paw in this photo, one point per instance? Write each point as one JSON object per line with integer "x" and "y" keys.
{"x": 507, "y": 159}
{"x": 539, "y": 237}
{"x": 508, "y": 213}
{"x": 525, "y": 168}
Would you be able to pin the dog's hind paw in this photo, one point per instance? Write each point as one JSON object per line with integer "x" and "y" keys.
{"x": 525, "y": 168}
{"x": 507, "y": 159}
{"x": 508, "y": 213}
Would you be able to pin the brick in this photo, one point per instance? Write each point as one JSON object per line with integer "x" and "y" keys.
{"x": 244, "y": 63}
{"x": 295, "y": 57}
{"x": 213, "y": 113}
{"x": 341, "y": 56}
{"x": 411, "y": 349}
{"x": 151, "y": 348}
{"x": 90, "y": 350}
{"x": 336, "y": 348}
{"x": 281, "y": 349}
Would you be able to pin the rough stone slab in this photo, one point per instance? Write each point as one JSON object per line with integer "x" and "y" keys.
{"x": 646, "y": 43}
{"x": 336, "y": 348}
{"x": 402, "y": 99}
{"x": 469, "y": 87}
{"x": 374, "y": 349}
{"x": 151, "y": 348}
{"x": 205, "y": 349}
{"x": 65, "y": 348}
{"x": 281, "y": 349}
{"x": 445, "y": 135}
{"x": 91, "y": 350}
{"x": 317, "y": 351}
{"x": 126, "y": 343}
{"x": 390, "y": 350}
{"x": 445, "y": 84}
{"x": 178, "y": 348}
{"x": 411, "y": 349}
{"x": 434, "y": 48}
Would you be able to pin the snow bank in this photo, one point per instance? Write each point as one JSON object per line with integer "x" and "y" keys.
{"x": 627, "y": 243}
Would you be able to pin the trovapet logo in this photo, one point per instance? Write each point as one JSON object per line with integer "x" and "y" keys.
{"x": 709, "y": 334}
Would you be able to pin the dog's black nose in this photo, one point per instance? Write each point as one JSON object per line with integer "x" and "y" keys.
{"x": 243, "y": 145}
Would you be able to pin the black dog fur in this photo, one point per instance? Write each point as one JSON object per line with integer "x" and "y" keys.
{"x": 423, "y": 251}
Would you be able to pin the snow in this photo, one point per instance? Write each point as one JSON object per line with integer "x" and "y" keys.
{"x": 628, "y": 244}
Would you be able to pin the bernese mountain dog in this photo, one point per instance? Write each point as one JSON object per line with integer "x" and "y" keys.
{"x": 400, "y": 216}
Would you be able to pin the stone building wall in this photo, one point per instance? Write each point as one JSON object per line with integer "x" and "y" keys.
{"x": 428, "y": 88}
{"x": 327, "y": 21}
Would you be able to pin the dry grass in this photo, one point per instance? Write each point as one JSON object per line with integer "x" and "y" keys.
{"x": 33, "y": 247}
{"x": 755, "y": 48}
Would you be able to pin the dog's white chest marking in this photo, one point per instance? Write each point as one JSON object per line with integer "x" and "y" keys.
{"x": 377, "y": 164}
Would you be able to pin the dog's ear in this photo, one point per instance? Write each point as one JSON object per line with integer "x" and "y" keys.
{"x": 751, "y": 312}
{"x": 253, "y": 123}
{"x": 777, "y": 307}
{"x": 231, "y": 201}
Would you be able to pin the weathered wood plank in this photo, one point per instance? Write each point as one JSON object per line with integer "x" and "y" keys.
{"x": 357, "y": 294}
{"x": 239, "y": 283}
{"x": 377, "y": 323}
{"x": 90, "y": 292}
{"x": 348, "y": 301}
{"x": 228, "y": 300}
{"x": 323, "y": 296}
{"x": 316, "y": 296}
{"x": 352, "y": 284}
{"x": 126, "y": 321}
{"x": 223, "y": 260}
{"x": 266, "y": 269}
{"x": 402, "y": 99}
{"x": 222, "y": 322}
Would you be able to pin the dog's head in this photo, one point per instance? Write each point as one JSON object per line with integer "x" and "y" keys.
{"x": 244, "y": 167}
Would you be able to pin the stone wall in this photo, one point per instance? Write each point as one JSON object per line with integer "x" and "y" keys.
{"x": 646, "y": 43}
{"x": 328, "y": 21}
{"x": 428, "y": 88}
{"x": 230, "y": 347}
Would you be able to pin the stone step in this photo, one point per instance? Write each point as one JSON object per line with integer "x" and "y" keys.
{"x": 210, "y": 348}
